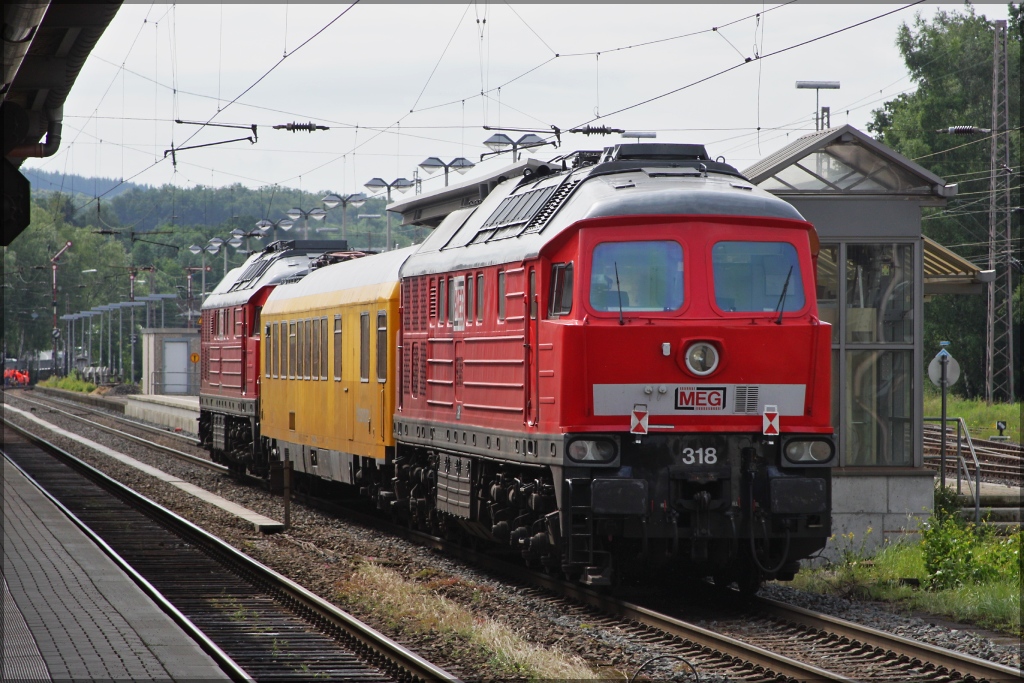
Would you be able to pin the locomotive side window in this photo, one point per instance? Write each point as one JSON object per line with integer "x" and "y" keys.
{"x": 451, "y": 300}
{"x": 470, "y": 301}
{"x": 337, "y": 348}
{"x": 762, "y": 277}
{"x": 480, "y": 297}
{"x": 292, "y": 349}
{"x": 382, "y": 346}
{"x": 637, "y": 276}
{"x": 323, "y": 348}
{"x": 533, "y": 294}
{"x": 440, "y": 301}
{"x": 501, "y": 295}
{"x": 364, "y": 347}
{"x": 315, "y": 350}
{"x": 560, "y": 301}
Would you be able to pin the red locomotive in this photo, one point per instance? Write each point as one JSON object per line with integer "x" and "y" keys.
{"x": 230, "y": 349}
{"x": 620, "y": 364}
{"x": 611, "y": 363}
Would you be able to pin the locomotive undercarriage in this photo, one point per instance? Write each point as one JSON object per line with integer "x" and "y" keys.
{"x": 231, "y": 441}
{"x": 665, "y": 509}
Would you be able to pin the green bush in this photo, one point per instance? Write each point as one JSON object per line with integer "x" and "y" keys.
{"x": 958, "y": 554}
{"x": 72, "y": 382}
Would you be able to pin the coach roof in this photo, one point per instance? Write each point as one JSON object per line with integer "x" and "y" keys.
{"x": 377, "y": 269}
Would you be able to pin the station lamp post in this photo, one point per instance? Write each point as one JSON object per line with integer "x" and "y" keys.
{"x": 345, "y": 200}
{"x": 247, "y": 235}
{"x": 55, "y": 332}
{"x": 196, "y": 249}
{"x": 284, "y": 223}
{"x": 820, "y": 115}
{"x": 316, "y": 214}
{"x": 500, "y": 143}
{"x": 459, "y": 165}
{"x": 378, "y": 184}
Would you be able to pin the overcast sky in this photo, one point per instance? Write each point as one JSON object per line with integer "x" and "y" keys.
{"x": 399, "y": 83}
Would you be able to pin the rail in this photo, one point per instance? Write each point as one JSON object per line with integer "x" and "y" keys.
{"x": 961, "y": 465}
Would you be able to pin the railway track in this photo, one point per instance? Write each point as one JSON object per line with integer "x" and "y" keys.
{"x": 1003, "y": 462}
{"x": 777, "y": 639}
{"x": 257, "y": 623}
{"x": 47, "y": 404}
{"x": 770, "y": 642}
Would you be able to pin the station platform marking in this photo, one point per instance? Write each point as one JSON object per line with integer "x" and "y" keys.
{"x": 260, "y": 522}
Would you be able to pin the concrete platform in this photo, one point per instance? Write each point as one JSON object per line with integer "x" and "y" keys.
{"x": 70, "y": 613}
{"x": 259, "y": 522}
{"x": 179, "y": 413}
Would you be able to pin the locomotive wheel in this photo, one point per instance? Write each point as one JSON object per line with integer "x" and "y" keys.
{"x": 722, "y": 579}
{"x": 748, "y": 581}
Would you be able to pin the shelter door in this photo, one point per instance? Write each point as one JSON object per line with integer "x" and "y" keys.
{"x": 175, "y": 367}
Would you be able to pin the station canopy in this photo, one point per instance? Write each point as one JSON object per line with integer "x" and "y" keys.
{"x": 846, "y": 163}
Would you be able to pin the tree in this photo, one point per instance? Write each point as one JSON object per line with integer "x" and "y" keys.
{"x": 949, "y": 58}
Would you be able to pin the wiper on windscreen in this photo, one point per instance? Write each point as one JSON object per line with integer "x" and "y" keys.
{"x": 618, "y": 290}
{"x": 781, "y": 306}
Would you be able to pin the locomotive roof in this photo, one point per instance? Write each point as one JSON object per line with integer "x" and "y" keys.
{"x": 279, "y": 262}
{"x": 533, "y": 202}
{"x": 370, "y": 270}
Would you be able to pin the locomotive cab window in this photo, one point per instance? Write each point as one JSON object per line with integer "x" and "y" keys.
{"x": 470, "y": 301}
{"x": 560, "y": 300}
{"x": 636, "y": 276}
{"x": 757, "y": 277}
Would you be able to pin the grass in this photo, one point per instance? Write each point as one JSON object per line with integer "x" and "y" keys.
{"x": 980, "y": 417}
{"x": 413, "y": 606}
{"x": 73, "y": 382}
{"x": 994, "y": 602}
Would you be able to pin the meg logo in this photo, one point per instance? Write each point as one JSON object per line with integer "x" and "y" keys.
{"x": 700, "y": 398}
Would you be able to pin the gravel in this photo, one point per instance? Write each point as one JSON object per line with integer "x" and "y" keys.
{"x": 320, "y": 552}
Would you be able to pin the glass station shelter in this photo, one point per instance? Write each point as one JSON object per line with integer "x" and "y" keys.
{"x": 875, "y": 270}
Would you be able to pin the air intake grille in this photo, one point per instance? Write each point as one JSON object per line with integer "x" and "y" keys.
{"x": 746, "y": 399}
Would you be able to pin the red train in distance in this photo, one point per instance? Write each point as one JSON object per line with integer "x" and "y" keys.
{"x": 230, "y": 347}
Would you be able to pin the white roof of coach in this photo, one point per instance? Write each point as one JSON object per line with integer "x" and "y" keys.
{"x": 376, "y": 269}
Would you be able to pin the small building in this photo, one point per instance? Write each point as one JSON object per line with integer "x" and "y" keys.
{"x": 875, "y": 270}
{"x": 170, "y": 361}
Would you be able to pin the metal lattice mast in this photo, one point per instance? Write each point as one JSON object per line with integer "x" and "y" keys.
{"x": 999, "y": 318}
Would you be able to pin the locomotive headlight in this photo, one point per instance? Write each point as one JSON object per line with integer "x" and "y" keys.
{"x": 591, "y": 450}
{"x": 809, "y": 452}
{"x": 701, "y": 359}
